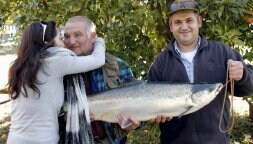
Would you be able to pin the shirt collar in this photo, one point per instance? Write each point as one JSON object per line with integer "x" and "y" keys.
{"x": 179, "y": 52}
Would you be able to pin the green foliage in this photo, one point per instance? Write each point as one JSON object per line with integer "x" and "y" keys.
{"x": 137, "y": 31}
{"x": 133, "y": 30}
{"x": 224, "y": 21}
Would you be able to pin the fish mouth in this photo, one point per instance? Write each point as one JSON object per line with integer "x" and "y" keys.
{"x": 219, "y": 88}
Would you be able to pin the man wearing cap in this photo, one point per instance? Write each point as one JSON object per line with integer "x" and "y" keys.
{"x": 190, "y": 58}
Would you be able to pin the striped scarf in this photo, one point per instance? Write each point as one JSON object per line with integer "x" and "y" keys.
{"x": 78, "y": 127}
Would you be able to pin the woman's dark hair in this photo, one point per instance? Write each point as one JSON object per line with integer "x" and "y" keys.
{"x": 36, "y": 38}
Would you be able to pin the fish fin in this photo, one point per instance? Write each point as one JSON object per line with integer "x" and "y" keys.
{"x": 190, "y": 102}
{"x": 130, "y": 81}
{"x": 185, "y": 111}
{"x": 125, "y": 123}
{"x": 103, "y": 115}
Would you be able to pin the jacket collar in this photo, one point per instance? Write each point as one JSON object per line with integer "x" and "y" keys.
{"x": 171, "y": 46}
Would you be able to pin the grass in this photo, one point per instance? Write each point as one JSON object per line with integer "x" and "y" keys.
{"x": 242, "y": 132}
{"x": 148, "y": 135}
{"x": 4, "y": 128}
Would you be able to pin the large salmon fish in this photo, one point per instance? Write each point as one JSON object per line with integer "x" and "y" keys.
{"x": 146, "y": 100}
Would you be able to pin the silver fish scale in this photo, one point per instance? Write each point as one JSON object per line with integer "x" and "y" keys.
{"x": 146, "y": 100}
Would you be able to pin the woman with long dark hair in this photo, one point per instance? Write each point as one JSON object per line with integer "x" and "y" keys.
{"x": 36, "y": 82}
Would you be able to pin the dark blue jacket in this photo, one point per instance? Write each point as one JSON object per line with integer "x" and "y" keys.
{"x": 210, "y": 65}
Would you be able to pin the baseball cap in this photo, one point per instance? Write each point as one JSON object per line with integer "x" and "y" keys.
{"x": 181, "y": 5}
